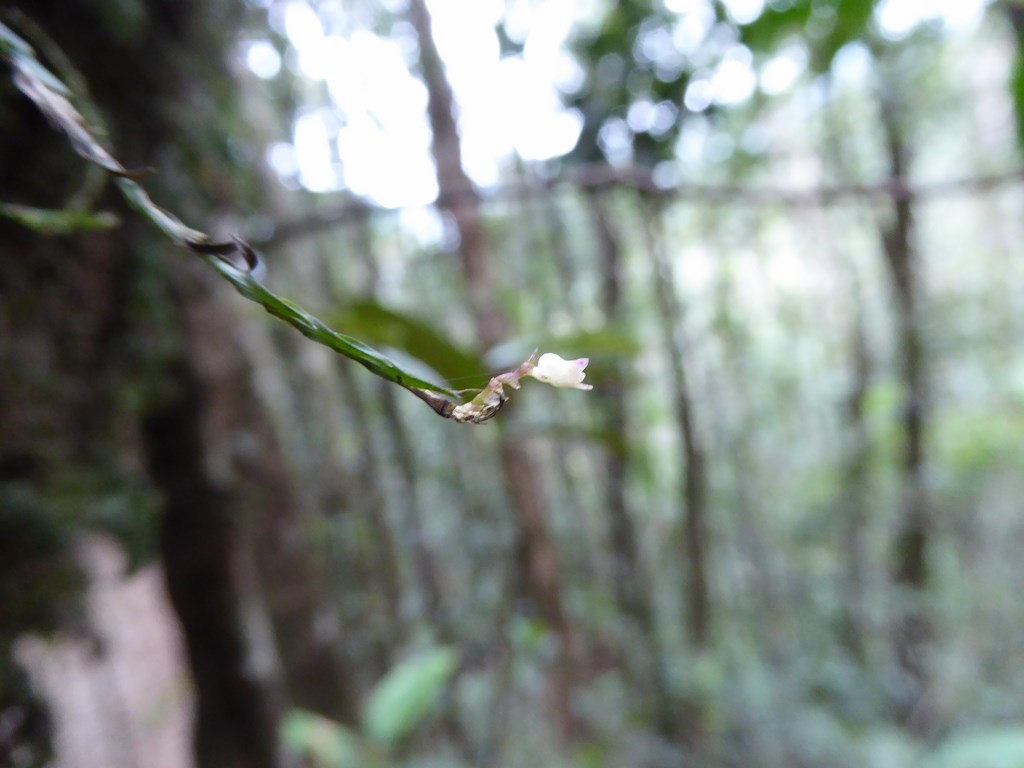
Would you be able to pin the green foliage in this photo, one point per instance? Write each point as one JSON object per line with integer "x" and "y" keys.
{"x": 40, "y": 577}
{"x": 126, "y": 508}
{"x": 1017, "y": 91}
{"x": 776, "y": 685}
{"x": 627, "y": 60}
{"x": 529, "y": 637}
{"x": 397, "y": 706}
{"x": 974, "y": 442}
{"x": 605, "y": 346}
{"x": 990, "y": 748}
{"x": 776, "y": 23}
{"x": 609, "y": 342}
{"x": 825, "y": 25}
{"x": 63, "y": 222}
{"x": 408, "y": 694}
{"x": 324, "y": 743}
{"x": 389, "y": 328}
{"x": 315, "y": 329}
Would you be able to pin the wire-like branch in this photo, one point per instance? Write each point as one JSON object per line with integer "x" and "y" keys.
{"x": 592, "y": 177}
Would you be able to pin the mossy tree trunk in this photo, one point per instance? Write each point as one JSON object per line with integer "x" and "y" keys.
{"x": 123, "y": 373}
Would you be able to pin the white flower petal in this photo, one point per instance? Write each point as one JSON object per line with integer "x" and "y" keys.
{"x": 554, "y": 370}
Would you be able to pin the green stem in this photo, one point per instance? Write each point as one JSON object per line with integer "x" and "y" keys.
{"x": 51, "y": 96}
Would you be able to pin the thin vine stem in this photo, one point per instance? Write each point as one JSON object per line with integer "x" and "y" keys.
{"x": 235, "y": 261}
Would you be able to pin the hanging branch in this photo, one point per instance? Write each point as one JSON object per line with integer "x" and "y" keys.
{"x": 238, "y": 263}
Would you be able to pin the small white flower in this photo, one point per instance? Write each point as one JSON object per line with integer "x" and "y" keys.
{"x": 553, "y": 370}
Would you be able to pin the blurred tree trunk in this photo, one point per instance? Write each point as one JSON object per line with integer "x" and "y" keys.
{"x": 732, "y": 423}
{"x": 410, "y": 507}
{"x": 693, "y": 471}
{"x": 632, "y": 593}
{"x": 626, "y": 576}
{"x": 687, "y": 723}
{"x": 856, "y": 445}
{"x": 912, "y": 625}
{"x": 145, "y": 382}
{"x": 856, "y": 476}
{"x": 210, "y": 572}
{"x": 357, "y": 547}
{"x": 540, "y": 570}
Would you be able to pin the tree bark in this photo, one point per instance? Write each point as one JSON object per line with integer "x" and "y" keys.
{"x": 626, "y": 571}
{"x": 210, "y": 579}
{"x": 540, "y": 569}
{"x": 145, "y": 383}
{"x": 631, "y": 589}
{"x": 693, "y": 470}
{"x": 856, "y": 476}
{"x": 688, "y": 722}
{"x": 912, "y": 629}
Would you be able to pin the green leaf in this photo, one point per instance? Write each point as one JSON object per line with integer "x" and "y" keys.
{"x": 603, "y": 342}
{"x": 389, "y": 328}
{"x": 601, "y": 345}
{"x": 57, "y": 222}
{"x": 408, "y": 694}
{"x": 325, "y": 743}
{"x": 313, "y": 328}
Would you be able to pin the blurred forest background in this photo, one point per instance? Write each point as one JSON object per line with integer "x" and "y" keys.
{"x": 783, "y": 528}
